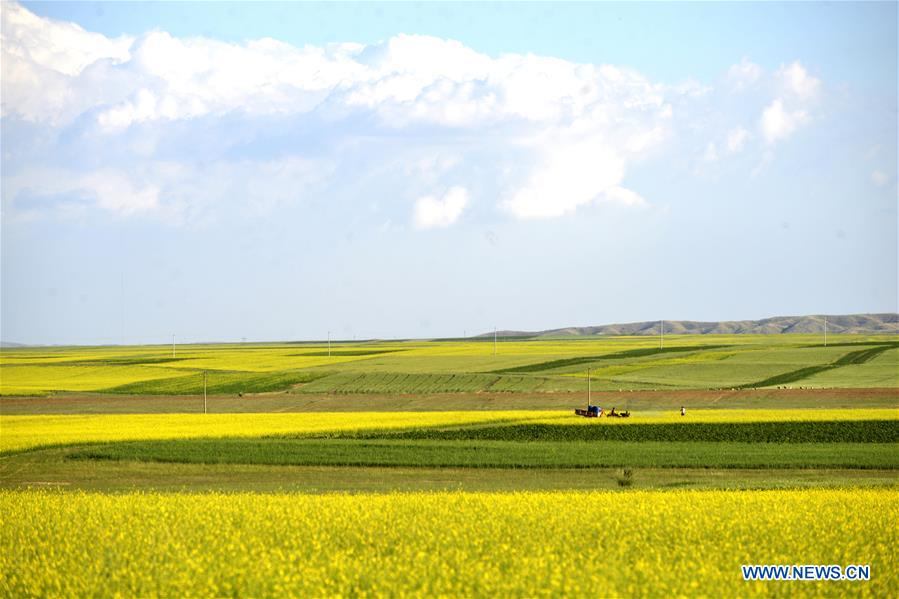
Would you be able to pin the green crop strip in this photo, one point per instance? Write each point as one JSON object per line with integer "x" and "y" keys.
{"x": 420, "y": 383}
{"x": 498, "y": 454}
{"x": 349, "y": 352}
{"x": 852, "y": 358}
{"x": 849, "y": 431}
{"x": 218, "y": 382}
{"x": 631, "y": 353}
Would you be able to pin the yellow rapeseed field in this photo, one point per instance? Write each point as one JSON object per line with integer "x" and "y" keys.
{"x": 24, "y": 432}
{"x": 582, "y": 544}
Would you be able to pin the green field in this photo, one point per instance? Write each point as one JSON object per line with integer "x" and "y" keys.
{"x": 429, "y": 367}
{"x": 374, "y": 434}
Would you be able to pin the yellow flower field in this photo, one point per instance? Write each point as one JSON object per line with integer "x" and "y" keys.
{"x": 24, "y": 432}
{"x": 635, "y": 543}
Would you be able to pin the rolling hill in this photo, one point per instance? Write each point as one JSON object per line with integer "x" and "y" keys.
{"x": 852, "y": 323}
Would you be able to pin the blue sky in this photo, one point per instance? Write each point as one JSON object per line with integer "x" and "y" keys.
{"x": 276, "y": 171}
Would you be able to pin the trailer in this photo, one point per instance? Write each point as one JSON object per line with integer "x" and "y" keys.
{"x": 590, "y": 412}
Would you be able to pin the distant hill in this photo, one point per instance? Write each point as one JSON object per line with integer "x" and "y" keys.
{"x": 851, "y": 323}
{"x": 10, "y": 344}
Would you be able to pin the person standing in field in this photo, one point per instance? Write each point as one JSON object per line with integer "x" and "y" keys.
{"x": 683, "y": 411}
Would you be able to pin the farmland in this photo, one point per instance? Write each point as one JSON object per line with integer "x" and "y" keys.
{"x": 422, "y": 459}
{"x": 505, "y": 544}
{"x": 418, "y": 367}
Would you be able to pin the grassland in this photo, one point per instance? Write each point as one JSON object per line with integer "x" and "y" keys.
{"x": 460, "y": 544}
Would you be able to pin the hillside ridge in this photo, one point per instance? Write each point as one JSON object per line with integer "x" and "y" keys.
{"x": 836, "y": 323}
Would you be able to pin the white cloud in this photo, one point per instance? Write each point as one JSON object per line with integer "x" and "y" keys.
{"x": 733, "y": 143}
{"x": 405, "y": 79}
{"x": 172, "y": 192}
{"x": 569, "y": 174}
{"x": 626, "y": 197}
{"x": 106, "y": 188}
{"x": 431, "y": 212}
{"x": 711, "y": 152}
{"x": 795, "y": 80}
{"x": 744, "y": 75}
{"x": 778, "y": 123}
{"x": 879, "y": 178}
{"x": 58, "y": 46}
{"x": 797, "y": 93}
{"x": 736, "y": 139}
{"x": 548, "y": 134}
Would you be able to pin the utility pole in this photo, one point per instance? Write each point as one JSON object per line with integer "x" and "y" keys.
{"x": 588, "y": 388}
{"x": 173, "y": 345}
{"x": 661, "y": 334}
{"x": 494, "y": 342}
{"x": 825, "y": 331}
{"x": 329, "y": 344}
{"x": 122, "y": 289}
{"x": 204, "y": 392}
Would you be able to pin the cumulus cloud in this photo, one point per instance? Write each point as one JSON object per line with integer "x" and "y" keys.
{"x": 736, "y": 139}
{"x": 406, "y": 79}
{"x": 779, "y": 123}
{"x": 568, "y": 175}
{"x": 152, "y": 111}
{"x": 744, "y": 75}
{"x": 795, "y": 80}
{"x": 790, "y": 110}
{"x": 732, "y": 143}
{"x": 62, "y": 47}
{"x": 626, "y": 197}
{"x": 432, "y": 212}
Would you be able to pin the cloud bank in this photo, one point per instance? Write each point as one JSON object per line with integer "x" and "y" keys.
{"x": 171, "y": 126}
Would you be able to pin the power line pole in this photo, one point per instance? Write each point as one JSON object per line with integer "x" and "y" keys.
{"x": 122, "y": 289}
{"x": 204, "y": 392}
{"x": 329, "y": 344}
{"x": 494, "y": 342}
{"x": 173, "y": 345}
{"x": 825, "y": 331}
{"x": 661, "y": 334}
{"x": 588, "y": 388}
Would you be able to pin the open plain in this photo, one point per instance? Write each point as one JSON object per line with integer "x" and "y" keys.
{"x": 406, "y": 461}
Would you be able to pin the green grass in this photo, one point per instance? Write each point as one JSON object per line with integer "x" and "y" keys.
{"x": 217, "y": 382}
{"x": 385, "y": 383}
{"x": 566, "y": 364}
{"x": 429, "y": 367}
{"x": 499, "y": 454}
{"x": 853, "y": 358}
{"x": 54, "y": 472}
{"x": 849, "y": 431}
